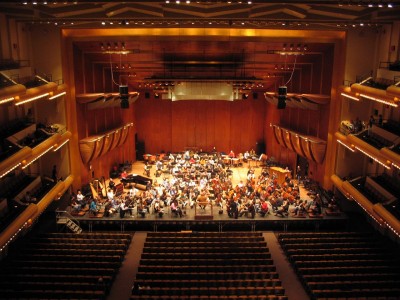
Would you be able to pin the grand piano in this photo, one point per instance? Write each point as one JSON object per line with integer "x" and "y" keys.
{"x": 137, "y": 179}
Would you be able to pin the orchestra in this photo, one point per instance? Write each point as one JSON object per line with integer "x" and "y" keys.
{"x": 198, "y": 179}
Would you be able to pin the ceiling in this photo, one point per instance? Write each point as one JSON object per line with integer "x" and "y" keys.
{"x": 265, "y": 63}
{"x": 237, "y": 13}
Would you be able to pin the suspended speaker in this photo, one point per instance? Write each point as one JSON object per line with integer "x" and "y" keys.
{"x": 124, "y": 95}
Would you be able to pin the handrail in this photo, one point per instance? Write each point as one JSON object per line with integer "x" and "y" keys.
{"x": 58, "y": 212}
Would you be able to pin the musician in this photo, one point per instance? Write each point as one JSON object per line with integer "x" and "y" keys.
{"x": 263, "y": 209}
{"x": 202, "y": 200}
{"x": 75, "y": 206}
{"x": 80, "y": 198}
{"x": 93, "y": 207}
{"x": 111, "y": 184}
{"x": 187, "y": 155}
{"x": 231, "y": 154}
{"x": 146, "y": 170}
{"x": 124, "y": 174}
{"x": 133, "y": 192}
{"x": 175, "y": 208}
{"x": 123, "y": 208}
{"x": 110, "y": 195}
{"x": 246, "y": 156}
{"x": 157, "y": 208}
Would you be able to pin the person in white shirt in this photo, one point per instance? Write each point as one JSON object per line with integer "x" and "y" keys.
{"x": 110, "y": 195}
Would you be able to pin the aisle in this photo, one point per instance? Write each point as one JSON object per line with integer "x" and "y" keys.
{"x": 293, "y": 288}
{"x": 122, "y": 286}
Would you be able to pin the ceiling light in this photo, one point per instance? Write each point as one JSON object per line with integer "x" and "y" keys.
{"x": 390, "y": 5}
{"x": 103, "y": 23}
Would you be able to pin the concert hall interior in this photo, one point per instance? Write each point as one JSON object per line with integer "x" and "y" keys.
{"x": 206, "y": 149}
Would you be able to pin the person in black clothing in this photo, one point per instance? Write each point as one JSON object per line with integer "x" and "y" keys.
{"x": 54, "y": 173}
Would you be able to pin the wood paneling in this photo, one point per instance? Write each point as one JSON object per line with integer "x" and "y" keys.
{"x": 207, "y": 124}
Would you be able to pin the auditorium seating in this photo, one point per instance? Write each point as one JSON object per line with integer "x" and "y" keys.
{"x": 343, "y": 264}
{"x": 63, "y": 266}
{"x": 207, "y": 266}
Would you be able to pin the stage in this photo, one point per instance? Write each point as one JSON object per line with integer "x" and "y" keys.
{"x": 218, "y": 222}
{"x": 208, "y": 219}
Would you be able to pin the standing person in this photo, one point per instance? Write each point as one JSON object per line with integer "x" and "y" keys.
{"x": 370, "y": 123}
{"x": 380, "y": 120}
{"x": 54, "y": 174}
{"x": 298, "y": 170}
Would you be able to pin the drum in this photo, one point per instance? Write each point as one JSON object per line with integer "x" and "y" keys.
{"x": 227, "y": 160}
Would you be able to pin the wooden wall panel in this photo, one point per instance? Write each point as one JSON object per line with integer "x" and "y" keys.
{"x": 304, "y": 121}
{"x": 203, "y": 124}
{"x": 210, "y": 127}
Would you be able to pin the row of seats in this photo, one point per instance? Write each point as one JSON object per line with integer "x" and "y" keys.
{"x": 183, "y": 283}
{"x": 98, "y": 246}
{"x": 206, "y": 249}
{"x": 58, "y": 266}
{"x": 173, "y": 244}
{"x": 194, "y": 261}
{"x": 87, "y": 236}
{"x": 206, "y": 297}
{"x": 233, "y": 234}
{"x": 210, "y": 276}
{"x": 81, "y": 240}
{"x": 202, "y": 255}
{"x": 81, "y": 252}
{"x": 349, "y": 265}
{"x": 205, "y": 239}
{"x": 211, "y": 266}
{"x": 195, "y": 290}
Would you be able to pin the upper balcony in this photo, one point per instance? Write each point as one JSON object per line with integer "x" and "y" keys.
{"x": 382, "y": 90}
{"x": 28, "y": 89}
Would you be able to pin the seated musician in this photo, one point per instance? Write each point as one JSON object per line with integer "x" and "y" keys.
{"x": 93, "y": 207}
{"x": 80, "y": 198}
{"x": 123, "y": 208}
{"x": 243, "y": 208}
{"x": 133, "y": 192}
{"x": 231, "y": 154}
{"x": 124, "y": 174}
{"x": 110, "y": 195}
{"x": 263, "y": 208}
{"x": 75, "y": 206}
{"x": 146, "y": 170}
{"x": 246, "y": 156}
{"x": 186, "y": 155}
{"x": 202, "y": 199}
{"x": 158, "y": 209}
{"x": 111, "y": 184}
{"x": 175, "y": 208}
{"x": 142, "y": 209}
{"x": 282, "y": 210}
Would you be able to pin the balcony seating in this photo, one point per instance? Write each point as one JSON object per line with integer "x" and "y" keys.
{"x": 395, "y": 66}
{"x": 206, "y": 265}
{"x": 374, "y": 140}
{"x": 15, "y": 184}
{"x": 343, "y": 264}
{"x": 392, "y": 126}
{"x": 46, "y": 268}
{"x": 388, "y": 183}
